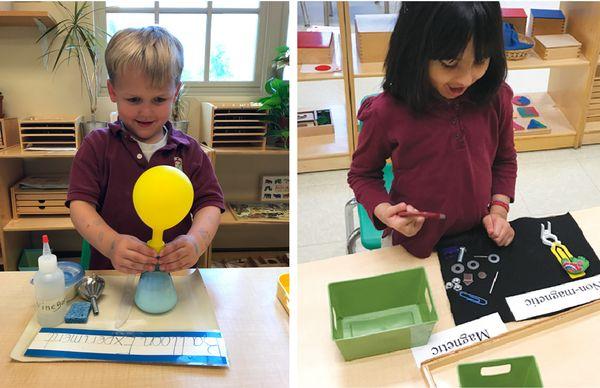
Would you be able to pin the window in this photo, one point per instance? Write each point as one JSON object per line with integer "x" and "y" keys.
{"x": 219, "y": 38}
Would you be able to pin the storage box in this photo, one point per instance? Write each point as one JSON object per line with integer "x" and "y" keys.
{"x": 9, "y": 132}
{"x": 381, "y": 314}
{"x": 315, "y": 47}
{"x": 316, "y": 123}
{"x": 38, "y": 201}
{"x": 373, "y": 33}
{"x": 50, "y": 133}
{"x": 507, "y": 372}
{"x": 517, "y": 17}
{"x": 547, "y": 22}
{"x": 558, "y": 46}
{"x": 283, "y": 291}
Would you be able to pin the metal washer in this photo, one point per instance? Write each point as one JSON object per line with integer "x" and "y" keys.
{"x": 472, "y": 265}
{"x": 493, "y": 258}
{"x": 457, "y": 268}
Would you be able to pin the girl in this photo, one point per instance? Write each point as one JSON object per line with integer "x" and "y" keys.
{"x": 445, "y": 119}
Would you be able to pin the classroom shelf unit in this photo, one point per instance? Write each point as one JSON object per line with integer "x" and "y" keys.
{"x": 320, "y": 153}
{"x": 571, "y": 104}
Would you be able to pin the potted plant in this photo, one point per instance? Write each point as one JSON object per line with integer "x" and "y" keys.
{"x": 277, "y": 101}
{"x": 178, "y": 112}
{"x": 73, "y": 38}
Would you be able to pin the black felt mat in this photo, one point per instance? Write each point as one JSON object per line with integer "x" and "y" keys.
{"x": 526, "y": 265}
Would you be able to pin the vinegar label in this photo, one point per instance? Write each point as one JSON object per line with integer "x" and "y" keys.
{"x": 51, "y": 305}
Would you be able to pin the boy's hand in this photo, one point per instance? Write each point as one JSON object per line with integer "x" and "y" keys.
{"x": 181, "y": 253}
{"x": 498, "y": 228}
{"x": 408, "y": 226}
{"x": 130, "y": 255}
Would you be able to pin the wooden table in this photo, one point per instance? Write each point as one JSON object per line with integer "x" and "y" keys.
{"x": 253, "y": 323}
{"x": 319, "y": 360}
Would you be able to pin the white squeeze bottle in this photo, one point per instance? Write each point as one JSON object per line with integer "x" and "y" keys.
{"x": 49, "y": 284}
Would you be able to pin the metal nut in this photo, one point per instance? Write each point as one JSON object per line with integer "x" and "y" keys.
{"x": 482, "y": 275}
{"x": 472, "y": 265}
{"x": 449, "y": 285}
{"x": 493, "y": 258}
{"x": 456, "y": 280}
{"x": 457, "y": 287}
{"x": 457, "y": 268}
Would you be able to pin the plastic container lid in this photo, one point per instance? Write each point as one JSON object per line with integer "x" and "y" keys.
{"x": 73, "y": 272}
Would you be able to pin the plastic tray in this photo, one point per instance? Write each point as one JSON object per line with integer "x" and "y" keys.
{"x": 505, "y": 372}
{"x": 381, "y": 314}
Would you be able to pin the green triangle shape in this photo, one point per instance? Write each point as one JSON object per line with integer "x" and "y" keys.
{"x": 535, "y": 124}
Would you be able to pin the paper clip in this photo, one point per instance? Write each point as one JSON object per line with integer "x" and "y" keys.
{"x": 473, "y": 298}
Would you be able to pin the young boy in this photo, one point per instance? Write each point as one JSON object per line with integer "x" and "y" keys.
{"x": 144, "y": 69}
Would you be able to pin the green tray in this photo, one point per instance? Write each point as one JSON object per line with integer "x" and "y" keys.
{"x": 506, "y": 372}
{"x": 381, "y": 314}
{"x": 29, "y": 259}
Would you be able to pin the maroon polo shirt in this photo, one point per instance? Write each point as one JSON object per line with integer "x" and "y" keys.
{"x": 450, "y": 160}
{"x": 110, "y": 161}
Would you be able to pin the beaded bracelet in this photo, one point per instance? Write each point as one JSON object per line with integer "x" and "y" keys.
{"x": 500, "y": 203}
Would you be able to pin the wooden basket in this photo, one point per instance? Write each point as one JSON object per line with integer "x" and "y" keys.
{"x": 517, "y": 55}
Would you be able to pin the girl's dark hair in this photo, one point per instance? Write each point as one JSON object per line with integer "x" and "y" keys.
{"x": 441, "y": 30}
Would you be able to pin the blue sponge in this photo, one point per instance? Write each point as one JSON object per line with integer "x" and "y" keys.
{"x": 78, "y": 313}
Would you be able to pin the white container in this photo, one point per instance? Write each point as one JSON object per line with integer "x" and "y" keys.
{"x": 49, "y": 283}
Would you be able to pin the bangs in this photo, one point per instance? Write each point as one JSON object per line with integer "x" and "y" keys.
{"x": 463, "y": 22}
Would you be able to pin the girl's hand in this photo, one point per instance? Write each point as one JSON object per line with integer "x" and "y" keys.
{"x": 408, "y": 226}
{"x": 181, "y": 253}
{"x": 498, "y": 228}
{"x": 130, "y": 255}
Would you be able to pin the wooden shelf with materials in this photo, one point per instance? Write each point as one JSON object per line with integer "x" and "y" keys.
{"x": 25, "y": 19}
{"x": 339, "y": 75}
{"x": 569, "y": 80}
{"x": 317, "y": 153}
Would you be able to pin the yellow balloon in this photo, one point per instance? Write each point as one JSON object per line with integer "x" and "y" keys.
{"x": 162, "y": 197}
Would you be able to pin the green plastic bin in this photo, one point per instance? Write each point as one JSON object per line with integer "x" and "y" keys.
{"x": 381, "y": 314}
{"x": 506, "y": 372}
{"x": 29, "y": 259}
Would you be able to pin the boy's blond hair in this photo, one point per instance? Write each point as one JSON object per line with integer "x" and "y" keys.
{"x": 152, "y": 50}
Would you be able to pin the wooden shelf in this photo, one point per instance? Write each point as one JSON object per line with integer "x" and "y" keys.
{"x": 15, "y": 152}
{"x": 227, "y": 218}
{"x": 591, "y": 134}
{"x": 337, "y": 52}
{"x": 26, "y": 224}
{"x": 562, "y": 133}
{"x": 533, "y": 61}
{"x": 25, "y": 18}
{"x": 311, "y": 147}
{"x": 251, "y": 151}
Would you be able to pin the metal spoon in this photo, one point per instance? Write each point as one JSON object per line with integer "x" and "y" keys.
{"x": 90, "y": 288}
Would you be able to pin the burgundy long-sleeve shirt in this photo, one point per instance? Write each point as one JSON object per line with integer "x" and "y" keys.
{"x": 450, "y": 160}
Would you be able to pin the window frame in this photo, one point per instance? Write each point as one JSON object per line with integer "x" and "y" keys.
{"x": 270, "y": 14}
